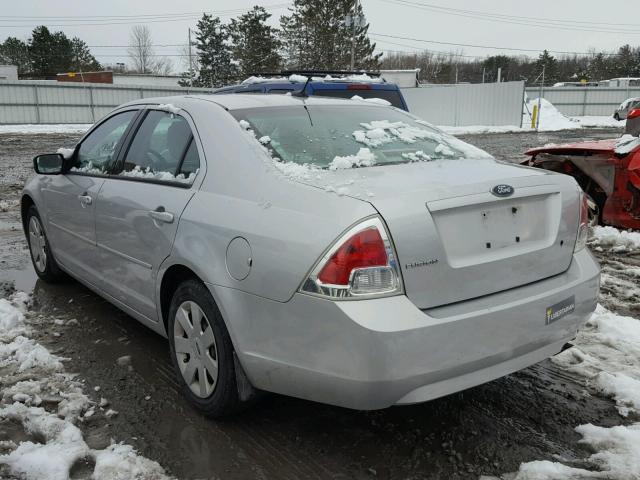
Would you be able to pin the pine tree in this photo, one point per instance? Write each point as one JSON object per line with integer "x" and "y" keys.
{"x": 255, "y": 44}
{"x": 14, "y": 51}
{"x": 550, "y": 65}
{"x": 83, "y": 60}
{"x": 50, "y": 53}
{"x": 315, "y": 36}
{"x": 214, "y": 54}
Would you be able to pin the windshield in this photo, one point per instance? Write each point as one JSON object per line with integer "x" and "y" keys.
{"x": 354, "y": 135}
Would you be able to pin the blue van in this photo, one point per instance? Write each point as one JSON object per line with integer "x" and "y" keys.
{"x": 322, "y": 83}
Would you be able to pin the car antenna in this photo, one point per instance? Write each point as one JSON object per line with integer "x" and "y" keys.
{"x": 303, "y": 92}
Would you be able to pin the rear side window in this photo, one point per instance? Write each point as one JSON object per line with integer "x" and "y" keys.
{"x": 391, "y": 96}
{"x": 97, "y": 152}
{"x": 159, "y": 147}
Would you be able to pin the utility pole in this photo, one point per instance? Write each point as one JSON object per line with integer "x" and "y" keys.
{"x": 190, "y": 62}
{"x": 353, "y": 34}
{"x": 483, "y": 70}
{"x": 499, "y": 74}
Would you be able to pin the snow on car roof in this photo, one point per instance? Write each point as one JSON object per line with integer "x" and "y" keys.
{"x": 239, "y": 101}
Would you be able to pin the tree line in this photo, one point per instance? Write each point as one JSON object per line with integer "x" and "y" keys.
{"x": 313, "y": 35}
{"x": 47, "y": 53}
{"x": 439, "y": 67}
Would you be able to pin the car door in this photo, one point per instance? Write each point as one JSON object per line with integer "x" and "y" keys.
{"x": 70, "y": 198}
{"x": 139, "y": 206}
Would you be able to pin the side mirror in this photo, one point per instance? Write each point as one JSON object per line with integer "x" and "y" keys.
{"x": 49, "y": 164}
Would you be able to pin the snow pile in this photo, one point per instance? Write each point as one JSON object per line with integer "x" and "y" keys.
{"x": 88, "y": 168}
{"x": 364, "y": 158}
{"x": 138, "y": 172}
{"x": 66, "y": 152}
{"x": 617, "y": 456}
{"x": 379, "y": 101}
{"x": 550, "y": 118}
{"x": 33, "y": 377}
{"x": 607, "y": 353}
{"x": 616, "y": 240}
{"x": 258, "y": 79}
{"x": 169, "y": 107}
{"x": 627, "y": 143}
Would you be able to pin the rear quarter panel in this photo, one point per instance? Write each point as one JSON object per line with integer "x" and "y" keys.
{"x": 287, "y": 225}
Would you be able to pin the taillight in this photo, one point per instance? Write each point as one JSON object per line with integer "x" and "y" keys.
{"x": 359, "y": 86}
{"x": 361, "y": 263}
{"x": 583, "y": 226}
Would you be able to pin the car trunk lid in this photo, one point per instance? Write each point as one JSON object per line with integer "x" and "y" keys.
{"x": 456, "y": 240}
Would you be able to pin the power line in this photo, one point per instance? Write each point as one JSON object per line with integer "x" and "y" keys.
{"x": 165, "y": 18}
{"x": 489, "y": 47}
{"x": 513, "y": 19}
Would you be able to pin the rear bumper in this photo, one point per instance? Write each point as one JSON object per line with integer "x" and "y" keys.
{"x": 376, "y": 353}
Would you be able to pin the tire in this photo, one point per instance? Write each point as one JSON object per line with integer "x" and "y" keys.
{"x": 205, "y": 343}
{"x": 42, "y": 257}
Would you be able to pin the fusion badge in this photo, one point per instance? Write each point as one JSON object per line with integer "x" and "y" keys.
{"x": 560, "y": 309}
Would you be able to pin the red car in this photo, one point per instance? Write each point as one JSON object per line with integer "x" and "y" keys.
{"x": 608, "y": 171}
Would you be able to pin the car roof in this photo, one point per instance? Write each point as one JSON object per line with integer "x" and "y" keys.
{"x": 241, "y": 101}
{"x": 298, "y": 81}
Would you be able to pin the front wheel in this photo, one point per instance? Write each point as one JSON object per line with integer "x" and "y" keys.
{"x": 44, "y": 263}
{"x": 201, "y": 351}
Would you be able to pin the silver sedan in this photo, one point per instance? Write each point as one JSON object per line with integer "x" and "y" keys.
{"x": 340, "y": 251}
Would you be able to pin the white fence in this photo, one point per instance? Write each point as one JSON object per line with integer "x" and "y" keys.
{"x": 468, "y": 104}
{"x": 46, "y": 102}
{"x": 581, "y": 101}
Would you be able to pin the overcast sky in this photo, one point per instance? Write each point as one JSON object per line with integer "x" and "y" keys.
{"x": 568, "y": 25}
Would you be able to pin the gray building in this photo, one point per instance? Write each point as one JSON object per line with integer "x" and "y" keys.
{"x": 8, "y": 73}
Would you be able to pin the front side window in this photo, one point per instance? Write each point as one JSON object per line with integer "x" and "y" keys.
{"x": 353, "y": 135}
{"x": 162, "y": 150}
{"x": 97, "y": 152}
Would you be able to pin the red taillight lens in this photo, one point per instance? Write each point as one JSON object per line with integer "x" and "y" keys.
{"x": 364, "y": 249}
{"x": 635, "y": 113}
{"x": 359, "y": 86}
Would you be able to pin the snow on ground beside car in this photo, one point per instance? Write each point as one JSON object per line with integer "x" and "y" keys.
{"x": 551, "y": 119}
{"x": 49, "y": 404}
{"x": 53, "y": 128}
{"x": 617, "y": 240}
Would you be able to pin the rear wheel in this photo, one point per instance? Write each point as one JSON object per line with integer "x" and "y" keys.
{"x": 201, "y": 351}
{"x": 43, "y": 261}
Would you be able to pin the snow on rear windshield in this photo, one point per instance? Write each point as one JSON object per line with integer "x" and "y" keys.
{"x": 338, "y": 137}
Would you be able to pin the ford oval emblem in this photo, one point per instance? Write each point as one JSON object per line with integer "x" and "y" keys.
{"x": 502, "y": 190}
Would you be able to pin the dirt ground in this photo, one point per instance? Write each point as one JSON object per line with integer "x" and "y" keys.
{"x": 487, "y": 430}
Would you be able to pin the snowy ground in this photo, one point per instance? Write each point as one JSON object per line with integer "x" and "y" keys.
{"x": 63, "y": 349}
{"x": 45, "y": 405}
{"x": 551, "y": 120}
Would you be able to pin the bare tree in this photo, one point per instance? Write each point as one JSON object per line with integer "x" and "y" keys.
{"x": 141, "y": 49}
{"x": 143, "y": 54}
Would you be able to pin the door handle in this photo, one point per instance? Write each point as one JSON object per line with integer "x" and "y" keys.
{"x": 85, "y": 200}
{"x": 160, "y": 215}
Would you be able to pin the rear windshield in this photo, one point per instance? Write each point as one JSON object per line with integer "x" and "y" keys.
{"x": 352, "y": 135}
{"x": 391, "y": 96}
